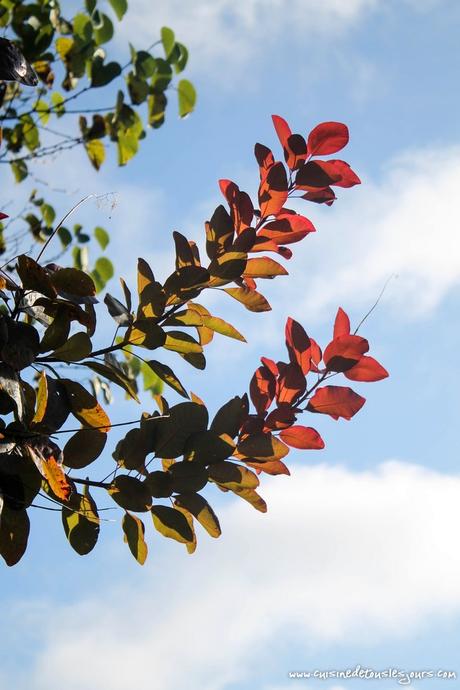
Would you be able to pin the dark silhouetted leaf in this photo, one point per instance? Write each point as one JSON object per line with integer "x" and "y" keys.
{"x": 83, "y": 448}
{"x": 171, "y": 523}
{"x": 201, "y": 510}
{"x": 130, "y": 493}
{"x": 134, "y": 530}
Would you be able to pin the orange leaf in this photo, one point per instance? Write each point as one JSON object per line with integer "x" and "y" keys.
{"x": 262, "y": 389}
{"x": 298, "y": 345}
{"x": 287, "y": 228}
{"x": 273, "y": 191}
{"x": 302, "y": 437}
{"x": 273, "y": 467}
{"x": 291, "y": 383}
{"x": 336, "y": 401}
{"x": 264, "y": 268}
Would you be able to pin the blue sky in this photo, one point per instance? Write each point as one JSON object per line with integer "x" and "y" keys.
{"x": 357, "y": 560}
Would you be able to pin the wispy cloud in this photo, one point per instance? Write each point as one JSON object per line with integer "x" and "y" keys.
{"x": 341, "y": 555}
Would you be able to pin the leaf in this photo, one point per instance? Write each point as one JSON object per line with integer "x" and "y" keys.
{"x": 85, "y": 407}
{"x": 264, "y": 268}
{"x": 35, "y": 277}
{"x": 134, "y": 530}
{"x": 52, "y": 405}
{"x": 233, "y": 476}
{"x": 160, "y": 484}
{"x": 118, "y": 311}
{"x": 344, "y": 352}
{"x": 73, "y": 281}
{"x": 22, "y": 346}
{"x": 264, "y": 158}
{"x": 273, "y": 191}
{"x": 341, "y": 324}
{"x": 50, "y": 467}
{"x": 262, "y": 389}
{"x": 57, "y": 332}
{"x": 226, "y": 268}
{"x": 101, "y": 74}
{"x": 253, "y": 498}
{"x": 207, "y": 447}
{"x": 146, "y": 333}
{"x": 77, "y": 347}
{"x": 132, "y": 450}
{"x": 187, "y": 97}
{"x": 103, "y": 30}
{"x": 298, "y": 345}
{"x": 326, "y": 138}
{"x": 251, "y": 299}
{"x": 96, "y": 152}
{"x": 184, "y": 281}
{"x": 103, "y": 269}
{"x": 272, "y": 467}
{"x": 102, "y": 237}
{"x": 219, "y": 233}
{"x": 173, "y": 432}
{"x": 230, "y": 417}
{"x": 168, "y": 376}
{"x": 348, "y": 178}
{"x": 182, "y": 343}
{"x": 20, "y": 480}
{"x": 130, "y": 493}
{"x": 168, "y": 39}
{"x": 119, "y": 7}
{"x": 291, "y": 384}
{"x": 14, "y": 533}
{"x": 282, "y": 129}
{"x": 302, "y": 437}
{"x": 188, "y": 476}
{"x": 367, "y": 369}
{"x": 171, "y": 523}
{"x": 81, "y": 525}
{"x": 316, "y": 174}
{"x": 336, "y": 401}
{"x": 220, "y": 326}
{"x": 201, "y": 510}
{"x": 83, "y": 448}
{"x": 262, "y": 446}
{"x": 10, "y": 386}
{"x": 115, "y": 375}
{"x": 287, "y": 228}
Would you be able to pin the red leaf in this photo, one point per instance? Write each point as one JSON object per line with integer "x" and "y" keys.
{"x": 295, "y": 151}
{"x": 316, "y": 174}
{"x": 281, "y": 418}
{"x": 264, "y": 157}
{"x": 367, "y": 369}
{"x": 287, "y": 228}
{"x": 336, "y": 401}
{"x": 341, "y": 324}
{"x": 282, "y": 129}
{"x": 298, "y": 345}
{"x": 316, "y": 355}
{"x": 273, "y": 191}
{"x": 326, "y": 138}
{"x": 344, "y": 352}
{"x": 262, "y": 389}
{"x": 302, "y": 437}
{"x": 348, "y": 178}
{"x": 3, "y": 215}
{"x": 291, "y": 384}
{"x": 270, "y": 364}
{"x": 242, "y": 210}
{"x": 321, "y": 196}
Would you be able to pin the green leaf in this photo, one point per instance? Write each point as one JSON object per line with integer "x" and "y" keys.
{"x": 82, "y": 28}
{"x": 103, "y": 271}
{"x": 103, "y": 29}
{"x": 42, "y": 109}
{"x": 230, "y": 417}
{"x": 102, "y": 237}
{"x": 168, "y": 376}
{"x": 77, "y": 347}
{"x": 20, "y": 170}
{"x": 57, "y": 100}
{"x": 187, "y": 97}
{"x": 14, "y": 533}
{"x": 30, "y": 132}
{"x": 65, "y": 236}
{"x": 74, "y": 282}
{"x": 188, "y": 476}
{"x": 201, "y": 510}
{"x": 182, "y": 343}
{"x": 134, "y": 531}
{"x": 130, "y": 493}
{"x": 83, "y": 448}
{"x": 101, "y": 74}
{"x": 220, "y": 326}
{"x": 173, "y": 432}
{"x": 146, "y": 333}
{"x": 152, "y": 382}
{"x": 96, "y": 152}
{"x": 171, "y": 523}
{"x": 115, "y": 375}
{"x": 168, "y": 39}
{"x": 81, "y": 524}
{"x": 119, "y": 7}
{"x": 233, "y": 476}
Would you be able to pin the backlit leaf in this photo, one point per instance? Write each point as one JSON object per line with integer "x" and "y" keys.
{"x": 134, "y": 530}
{"x": 202, "y": 511}
{"x": 84, "y": 406}
{"x": 326, "y": 138}
{"x": 171, "y": 523}
{"x": 77, "y": 347}
{"x": 251, "y": 299}
{"x": 302, "y": 437}
{"x": 367, "y": 369}
{"x": 336, "y": 401}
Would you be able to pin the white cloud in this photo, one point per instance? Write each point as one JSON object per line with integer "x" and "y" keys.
{"x": 406, "y": 224}
{"x": 226, "y": 33}
{"x": 341, "y": 555}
